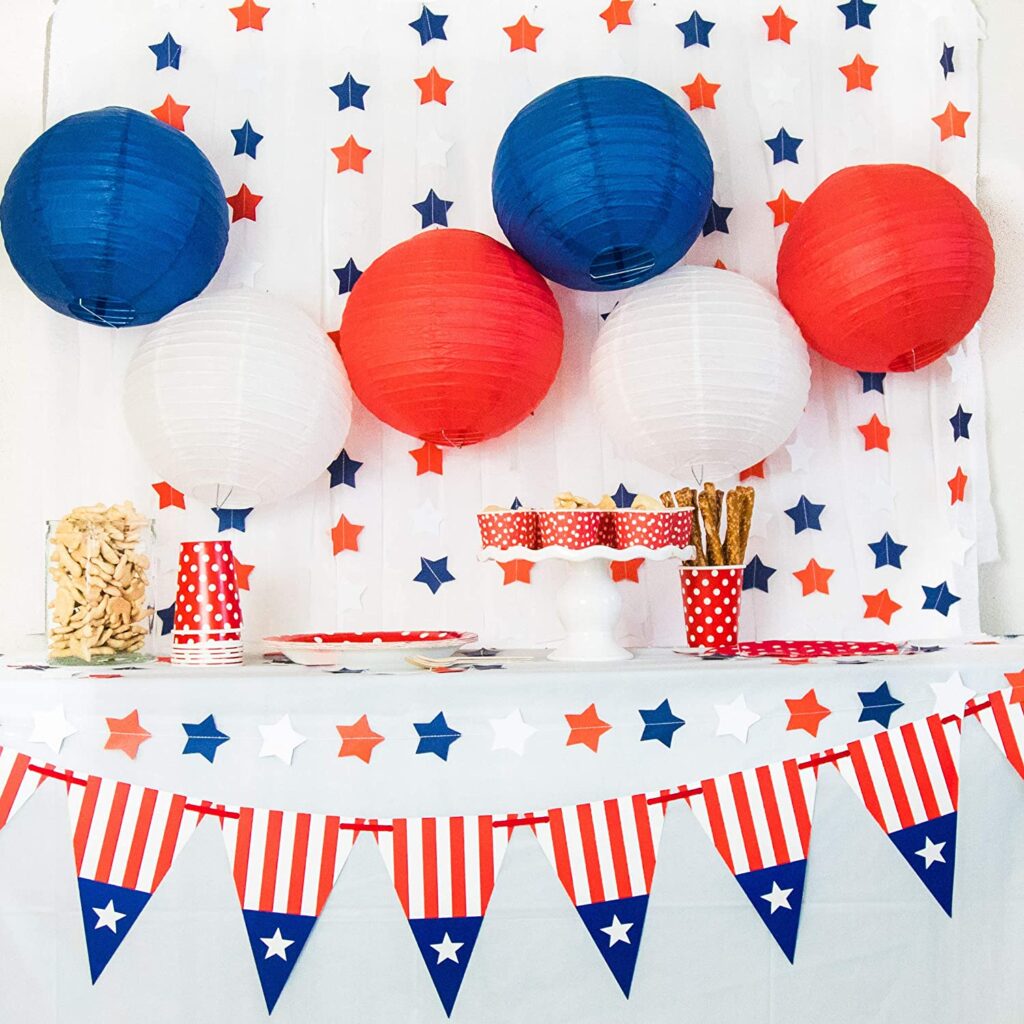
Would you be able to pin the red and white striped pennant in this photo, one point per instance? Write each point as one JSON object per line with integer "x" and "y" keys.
{"x": 1003, "y": 719}
{"x": 17, "y": 782}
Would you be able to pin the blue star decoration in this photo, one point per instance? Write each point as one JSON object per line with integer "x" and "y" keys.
{"x": 946, "y": 60}
{"x": 516, "y": 504}
{"x": 347, "y": 276}
{"x": 783, "y": 147}
{"x": 203, "y": 738}
{"x": 350, "y": 93}
{"x": 756, "y": 575}
{"x": 231, "y": 518}
{"x": 939, "y": 598}
{"x": 695, "y": 30}
{"x": 166, "y": 617}
{"x": 872, "y": 382}
{"x": 660, "y": 724}
{"x": 429, "y": 25}
{"x": 343, "y": 470}
{"x": 433, "y": 210}
{"x": 857, "y": 13}
{"x": 887, "y": 552}
{"x": 805, "y": 515}
{"x": 168, "y": 53}
{"x": 960, "y": 422}
{"x": 623, "y": 498}
{"x": 435, "y": 736}
{"x": 434, "y": 572}
{"x": 878, "y": 705}
{"x": 246, "y": 140}
{"x": 717, "y": 219}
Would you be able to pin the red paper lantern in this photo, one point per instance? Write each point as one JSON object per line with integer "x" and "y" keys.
{"x": 886, "y": 267}
{"x": 451, "y": 337}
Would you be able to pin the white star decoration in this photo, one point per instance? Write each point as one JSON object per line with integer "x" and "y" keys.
{"x": 617, "y": 931}
{"x": 433, "y": 149}
{"x": 107, "y": 917}
{"x": 447, "y": 950}
{"x": 931, "y": 853}
{"x": 511, "y": 732}
{"x": 800, "y": 453}
{"x": 277, "y": 945}
{"x": 735, "y": 719}
{"x": 777, "y": 88}
{"x": 957, "y": 546}
{"x": 427, "y": 519}
{"x": 952, "y": 695}
{"x": 350, "y": 595}
{"x": 958, "y": 364}
{"x": 51, "y": 728}
{"x": 778, "y": 897}
{"x": 280, "y": 740}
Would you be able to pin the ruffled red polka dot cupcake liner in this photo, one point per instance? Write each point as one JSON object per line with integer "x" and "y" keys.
{"x": 513, "y": 529}
{"x": 576, "y": 528}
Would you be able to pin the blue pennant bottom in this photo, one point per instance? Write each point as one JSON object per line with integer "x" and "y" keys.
{"x": 616, "y": 927}
{"x": 930, "y": 849}
{"x": 777, "y": 894}
{"x": 446, "y": 944}
{"x": 108, "y": 912}
{"x": 276, "y": 941}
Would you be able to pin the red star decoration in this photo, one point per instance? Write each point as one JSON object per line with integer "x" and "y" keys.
{"x": 586, "y": 728}
{"x": 876, "y": 434}
{"x": 806, "y": 713}
{"x": 779, "y": 25}
{"x": 627, "y": 571}
{"x": 358, "y": 740}
{"x": 429, "y": 459}
{"x": 957, "y": 486}
{"x": 434, "y": 88}
{"x": 345, "y": 536}
{"x": 701, "y": 93}
{"x": 171, "y": 113}
{"x": 335, "y": 336}
{"x": 814, "y": 578}
{"x": 351, "y": 155}
{"x": 243, "y": 204}
{"x": 249, "y": 15}
{"x": 170, "y": 497}
{"x": 126, "y": 734}
{"x": 783, "y": 206}
{"x": 719, "y": 265}
{"x": 522, "y": 36}
{"x": 242, "y": 574}
{"x": 616, "y": 14}
{"x": 858, "y": 73}
{"x": 880, "y": 606}
{"x": 516, "y": 571}
{"x": 756, "y": 470}
{"x": 951, "y": 123}
{"x": 1016, "y": 681}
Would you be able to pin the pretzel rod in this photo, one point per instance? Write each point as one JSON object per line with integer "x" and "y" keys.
{"x": 746, "y": 517}
{"x": 706, "y": 502}
{"x": 687, "y": 496}
{"x": 668, "y": 499}
{"x": 734, "y": 504}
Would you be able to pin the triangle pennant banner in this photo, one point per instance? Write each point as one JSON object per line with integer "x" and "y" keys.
{"x": 909, "y": 779}
{"x": 443, "y": 870}
{"x": 284, "y": 865}
{"x": 17, "y": 783}
{"x": 1003, "y": 719}
{"x": 759, "y": 821}
{"x": 125, "y": 838}
{"x": 604, "y": 854}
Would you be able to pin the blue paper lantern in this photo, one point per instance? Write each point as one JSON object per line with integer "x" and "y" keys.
{"x": 602, "y": 183}
{"x": 114, "y": 218}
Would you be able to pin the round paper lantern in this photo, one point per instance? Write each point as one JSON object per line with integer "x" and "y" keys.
{"x": 114, "y": 218}
{"x": 237, "y": 398}
{"x": 700, "y": 371}
{"x": 451, "y": 337}
{"x": 602, "y": 183}
{"x": 886, "y": 267}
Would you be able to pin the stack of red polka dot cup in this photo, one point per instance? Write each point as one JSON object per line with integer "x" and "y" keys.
{"x": 711, "y": 603}
{"x": 207, "y": 613}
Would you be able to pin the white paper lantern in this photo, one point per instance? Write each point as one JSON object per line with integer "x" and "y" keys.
{"x": 700, "y": 371}
{"x": 238, "y": 398}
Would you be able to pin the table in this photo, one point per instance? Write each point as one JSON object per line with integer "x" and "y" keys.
{"x": 705, "y": 955}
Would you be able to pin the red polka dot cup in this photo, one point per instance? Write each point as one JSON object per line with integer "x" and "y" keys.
{"x": 513, "y": 529}
{"x": 575, "y": 528}
{"x": 643, "y": 528}
{"x": 207, "y": 612}
{"x": 711, "y": 603}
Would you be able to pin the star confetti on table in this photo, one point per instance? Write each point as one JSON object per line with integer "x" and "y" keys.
{"x": 433, "y": 88}
{"x": 246, "y": 140}
{"x": 51, "y": 728}
{"x": 522, "y": 35}
{"x": 780, "y": 25}
{"x": 169, "y": 497}
{"x": 784, "y": 147}
{"x": 951, "y": 695}
{"x": 616, "y": 14}
{"x": 806, "y": 713}
{"x": 429, "y": 459}
{"x": 957, "y": 486}
{"x": 805, "y": 515}
{"x": 878, "y": 705}
{"x": 586, "y": 729}
{"x": 858, "y": 74}
{"x": 168, "y": 53}
{"x": 756, "y": 575}
{"x": 717, "y": 219}
{"x": 433, "y": 210}
{"x": 857, "y": 13}
{"x": 880, "y": 606}
{"x": 243, "y": 204}
{"x": 358, "y": 739}
{"x": 126, "y": 734}
{"x": 1016, "y": 681}
{"x": 343, "y": 470}
{"x": 434, "y": 573}
{"x": 939, "y": 598}
{"x": 814, "y": 578}
{"x": 960, "y": 421}
{"x": 952, "y": 123}
{"x": 242, "y": 574}
{"x": 695, "y": 30}
{"x": 231, "y": 518}
{"x": 280, "y": 739}
{"x": 945, "y": 61}
{"x": 627, "y": 571}
{"x": 887, "y": 552}
{"x": 516, "y": 571}
{"x": 166, "y": 617}
{"x": 429, "y": 25}
{"x": 701, "y": 93}
{"x": 345, "y": 535}
{"x": 351, "y": 155}
{"x": 171, "y": 113}
{"x": 435, "y": 736}
{"x": 249, "y": 15}
{"x": 783, "y": 206}
{"x": 876, "y": 434}
{"x": 735, "y": 719}
{"x": 350, "y": 93}
{"x": 347, "y": 276}
{"x": 660, "y": 724}
{"x": 622, "y": 497}
{"x": 511, "y": 732}
{"x": 872, "y": 382}
{"x": 203, "y": 738}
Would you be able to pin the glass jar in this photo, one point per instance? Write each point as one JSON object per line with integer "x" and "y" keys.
{"x": 99, "y": 586}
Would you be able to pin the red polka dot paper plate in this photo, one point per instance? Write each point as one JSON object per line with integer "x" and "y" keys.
{"x": 381, "y": 651}
{"x": 800, "y": 649}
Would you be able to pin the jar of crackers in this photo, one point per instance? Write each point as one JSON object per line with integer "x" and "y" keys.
{"x": 99, "y": 608}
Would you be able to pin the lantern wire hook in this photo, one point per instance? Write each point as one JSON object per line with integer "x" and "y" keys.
{"x": 93, "y": 313}
{"x": 220, "y": 502}
{"x": 699, "y": 479}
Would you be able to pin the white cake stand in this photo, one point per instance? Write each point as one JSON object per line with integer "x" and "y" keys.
{"x": 588, "y": 601}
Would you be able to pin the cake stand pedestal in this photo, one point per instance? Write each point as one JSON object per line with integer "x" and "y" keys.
{"x": 588, "y": 601}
